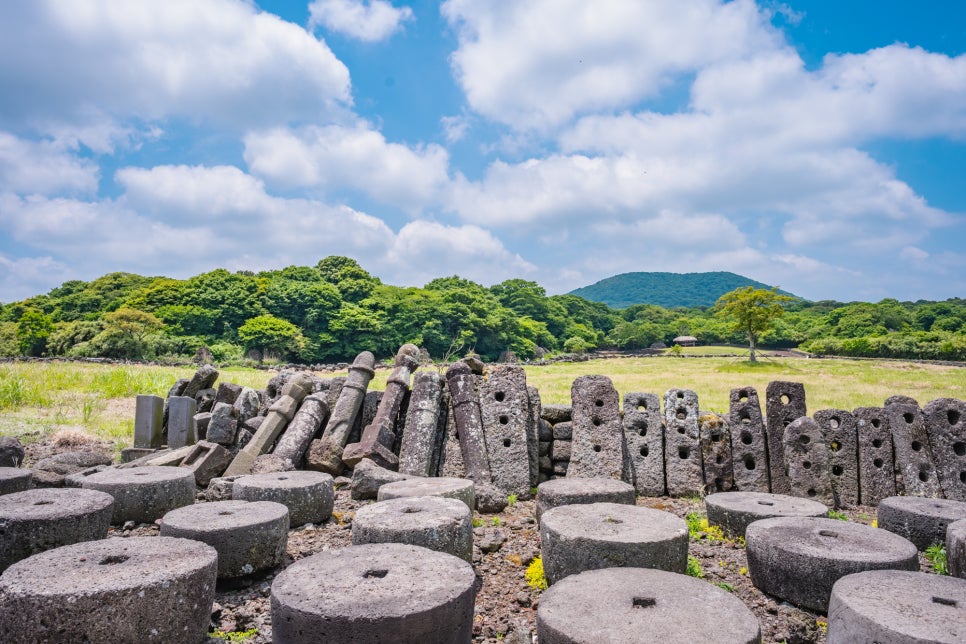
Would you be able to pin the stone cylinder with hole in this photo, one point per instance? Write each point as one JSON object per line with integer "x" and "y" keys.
{"x": 921, "y": 521}
{"x": 386, "y": 592}
{"x": 14, "y": 479}
{"x": 558, "y": 492}
{"x": 733, "y": 512}
{"x": 134, "y": 589}
{"x": 799, "y": 558}
{"x": 442, "y": 486}
{"x": 249, "y": 536}
{"x": 309, "y": 496}
{"x": 636, "y": 604}
{"x": 36, "y": 520}
{"x": 436, "y": 523}
{"x": 575, "y": 538}
{"x": 144, "y": 494}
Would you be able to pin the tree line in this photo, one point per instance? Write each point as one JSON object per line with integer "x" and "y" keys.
{"x": 333, "y": 310}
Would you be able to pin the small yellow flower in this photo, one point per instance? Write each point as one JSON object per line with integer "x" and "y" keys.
{"x": 743, "y": 571}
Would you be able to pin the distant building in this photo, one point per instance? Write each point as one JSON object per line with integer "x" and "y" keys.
{"x": 686, "y": 340}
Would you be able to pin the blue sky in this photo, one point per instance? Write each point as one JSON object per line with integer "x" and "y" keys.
{"x": 819, "y": 146}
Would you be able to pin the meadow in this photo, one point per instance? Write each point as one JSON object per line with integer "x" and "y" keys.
{"x": 38, "y": 399}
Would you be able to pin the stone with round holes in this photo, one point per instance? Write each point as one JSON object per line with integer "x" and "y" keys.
{"x": 134, "y": 589}
{"x": 806, "y": 460}
{"x": 956, "y": 548}
{"x": 558, "y": 492}
{"x": 14, "y": 479}
{"x": 945, "y": 420}
{"x": 921, "y": 521}
{"x": 248, "y": 536}
{"x": 799, "y": 558}
{"x": 443, "y": 486}
{"x": 436, "y": 523}
{"x": 637, "y": 604}
{"x": 596, "y": 449}
{"x": 748, "y": 441}
{"x": 734, "y": 511}
{"x": 36, "y": 520}
{"x": 309, "y": 496}
{"x": 381, "y": 592}
{"x": 895, "y": 607}
{"x": 144, "y": 494}
{"x": 575, "y": 538}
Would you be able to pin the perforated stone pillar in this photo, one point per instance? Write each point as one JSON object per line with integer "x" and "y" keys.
{"x": 644, "y": 442}
{"x": 312, "y": 413}
{"x": 422, "y": 422}
{"x": 181, "y": 422}
{"x": 326, "y": 456}
{"x": 913, "y": 455}
{"x": 715, "y": 438}
{"x": 749, "y": 446}
{"x": 378, "y": 438}
{"x": 467, "y": 416}
{"x": 784, "y": 402}
{"x": 597, "y": 449}
{"x": 841, "y": 440}
{"x": 877, "y": 475}
{"x": 682, "y": 447}
{"x": 946, "y": 427}
{"x": 148, "y": 421}
{"x": 505, "y": 410}
{"x": 533, "y": 435}
{"x": 806, "y": 460}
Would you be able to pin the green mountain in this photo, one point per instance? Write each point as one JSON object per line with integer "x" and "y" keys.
{"x": 665, "y": 289}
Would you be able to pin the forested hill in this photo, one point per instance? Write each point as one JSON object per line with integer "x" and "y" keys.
{"x": 668, "y": 290}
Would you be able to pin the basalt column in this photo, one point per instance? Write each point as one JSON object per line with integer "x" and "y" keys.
{"x": 784, "y": 402}
{"x": 644, "y": 442}
{"x": 597, "y": 450}
{"x": 379, "y": 436}
{"x": 463, "y": 384}
{"x": 806, "y": 460}
{"x": 505, "y": 409}
{"x": 877, "y": 474}
{"x": 682, "y": 448}
{"x": 841, "y": 440}
{"x": 749, "y": 447}
{"x": 419, "y": 442}
{"x": 326, "y": 453}
{"x": 913, "y": 456}
{"x": 303, "y": 428}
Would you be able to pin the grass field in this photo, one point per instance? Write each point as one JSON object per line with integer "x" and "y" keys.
{"x": 38, "y": 399}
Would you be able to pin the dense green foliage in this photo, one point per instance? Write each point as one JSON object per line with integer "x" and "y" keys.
{"x": 669, "y": 290}
{"x": 333, "y": 310}
{"x": 752, "y": 311}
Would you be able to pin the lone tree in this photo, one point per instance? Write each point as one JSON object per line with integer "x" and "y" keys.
{"x": 752, "y": 310}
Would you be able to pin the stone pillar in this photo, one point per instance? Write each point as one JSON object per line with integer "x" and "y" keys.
{"x": 749, "y": 447}
{"x": 378, "y": 437}
{"x": 326, "y": 455}
{"x": 913, "y": 455}
{"x": 463, "y": 385}
{"x": 533, "y": 438}
{"x": 682, "y": 447}
{"x": 597, "y": 446}
{"x": 148, "y": 421}
{"x": 450, "y": 456}
{"x": 298, "y": 435}
{"x": 715, "y": 438}
{"x": 176, "y": 390}
{"x": 181, "y": 422}
{"x": 946, "y": 427}
{"x": 419, "y": 442}
{"x": 505, "y": 410}
{"x": 784, "y": 402}
{"x": 644, "y": 442}
{"x": 806, "y": 460}
{"x": 838, "y": 430}
{"x": 877, "y": 475}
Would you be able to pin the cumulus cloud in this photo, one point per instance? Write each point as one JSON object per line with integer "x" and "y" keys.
{"x": 25, "y": 277}
{"x": 45, "y": 167}
{"x": 366, "y": 20}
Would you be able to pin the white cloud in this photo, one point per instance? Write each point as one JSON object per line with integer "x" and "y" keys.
{"x": 366, "y": 20}
{"x": 25, "y": 277}
{"x": 46, "y": 167}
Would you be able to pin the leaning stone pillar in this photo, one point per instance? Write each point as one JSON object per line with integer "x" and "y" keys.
{"x": 469, "y": 423}
{"x": 422, "y": 422}
{"x": 299, "y": 434}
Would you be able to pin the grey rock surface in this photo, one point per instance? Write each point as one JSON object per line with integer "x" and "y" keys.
{"x": 841, "y": 442}
{"x": 309, "y": 496}
{"x": 914, "y": 461}
{"x": 447, "y": 488}
{"x": 784, "y": 403}
{"x": 367, "y": 478}
{"x": 437, "y": 523}
{"x": 877, "y": 474}
{"x": 682, "y": 448}
{"x": 733, "y": 512}
{"x": 806, "y": 460}
{"x": 920, "y": 520}
{"x": 505, "y": 409}
{"x": 143, "y": 494}
{"x": 574, "y": 491}
{"x": 749, "y": 444}
{"x": 945, "y": 420}
{"x": 598, "y": 441}
{"x": 14, "y": 479}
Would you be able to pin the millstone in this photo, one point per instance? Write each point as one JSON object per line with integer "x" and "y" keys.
{"x": 133, "y": 589}
{"x": 436, "y": 523}
{"x": 636, "y": 604}
{"x": 309, "y": 496}
{"x": 799, "y": 558}
{"x": 920, "y": 520}
{"x": 734, "y": 511}
{"x": 385, "y": 592}
{"x": 144, "y": 494}
{"x": 575, "y": 491}
{"x": 14, "y": 479}
{"x": 575, "y": 538}
{"x": 446, "y": 487}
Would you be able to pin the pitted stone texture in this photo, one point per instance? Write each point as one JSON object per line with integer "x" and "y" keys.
{"x": 247, "y": 405}
{"x": 575, "y": 538}
{"x": 597, "y": 449}
{"x": 448, "y": 488}
{"x": 148, "y": 421}
{"x": 206, "y": 461}
{"x": 436, "y": 523}
{"x": 715, "y": 433}
{"x": 421, "y": 439}
{"x": 295, "y": 441}
{"x": 900, "y": 400}
{"x": 203, "y": 378}
{"x": 533, "y": 434}
{"x": 749, "y": 445}
{"x": 554, "y": 414}
{"x": 644, "y": 442}
{"x": 14, "y": 479}
{"x": 451, "y": 455}
{"x": 841, "y": 440}
{"x": 11, "y": 452}
{"x": 921, "y": 521}
{"x": 913, "y": 455}
{"x": 956, "y": 548}
{"x": 309, "y": 496}
{"x": 682, "y": 446}
{"x": 563, "y": 431}
{"x": 134, "y": 589}
{"x": 385, "y": 592}
{"x": 799, "y": 558}
{"x": 36, "y": 520}
{"x": 143, "y": 494}
{"x": 463, "y": 387}
{"x": 553, "y": 494}
{"x": 562, "y": 451}
{"x": 806, "y": 460}
{"x": 877, "y": 474}
{"x": 223, "y": 424}
{"x": 733, "y": 512}
{"x": 896, "y": 607}
{"x": 367, "y": 478}
{"x": 505, "y": 409}
{"x": 784, "y": 403}
{"x": 946, "y": 427}
{"x": 634, "y": 604}
{"x": 489, "y": 498}
{"x": 249, "y": 536}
